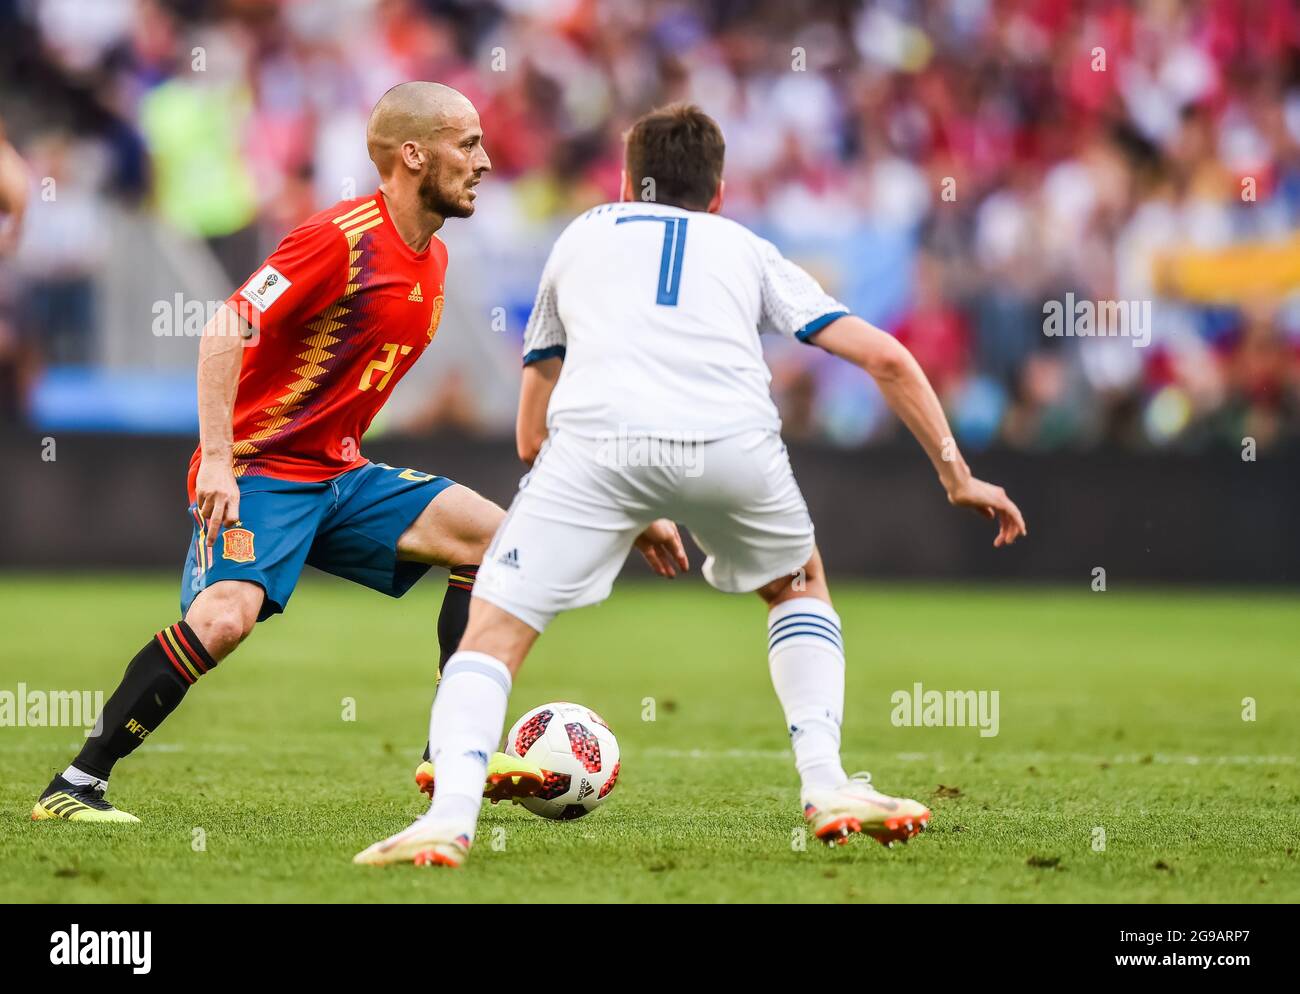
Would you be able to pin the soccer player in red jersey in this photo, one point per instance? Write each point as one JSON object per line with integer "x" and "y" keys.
{"x": 291, "y": 372}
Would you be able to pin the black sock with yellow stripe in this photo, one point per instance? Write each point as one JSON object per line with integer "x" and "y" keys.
{"x": 154, "y": 683}
{"x": 454, "y": 615}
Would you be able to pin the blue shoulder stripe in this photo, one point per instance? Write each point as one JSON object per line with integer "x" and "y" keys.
{"x": 817, "y": 324}
{"x": 537, "y": 355}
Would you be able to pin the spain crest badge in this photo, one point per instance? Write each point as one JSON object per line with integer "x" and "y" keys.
{"x": 435, "y": 317}
{"x": 237, "y": 545}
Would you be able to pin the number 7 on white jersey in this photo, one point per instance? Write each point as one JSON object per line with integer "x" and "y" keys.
{"x": 670, "y": 262}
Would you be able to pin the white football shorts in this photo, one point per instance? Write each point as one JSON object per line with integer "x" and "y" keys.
{"x": 578, "y": 511}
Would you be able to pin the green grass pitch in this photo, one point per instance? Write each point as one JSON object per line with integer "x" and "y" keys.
{"x": 1120, "y": 712}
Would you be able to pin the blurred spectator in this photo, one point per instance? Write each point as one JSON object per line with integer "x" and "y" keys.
{"x": 61, "y": 252}
{"x": 946, "y": 168}
{"x": 1262, "y": 373}
{"x": 13, "y": 195}
{"x": 935, "y": 331}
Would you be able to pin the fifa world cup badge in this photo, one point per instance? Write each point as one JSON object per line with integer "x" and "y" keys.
{"x": 237, "y": 544}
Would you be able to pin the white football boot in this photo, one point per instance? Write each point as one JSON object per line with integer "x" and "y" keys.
{"x": 856, "y": 806}
{"x": 420, "y": 843}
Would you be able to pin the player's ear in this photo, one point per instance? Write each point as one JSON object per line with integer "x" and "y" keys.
{"x": 715, "y": 205}
{"x": 624, "y": 186}
{"x": 412, "y": 155}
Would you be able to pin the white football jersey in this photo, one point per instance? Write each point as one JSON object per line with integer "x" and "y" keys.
{"x": 656, "y": 311}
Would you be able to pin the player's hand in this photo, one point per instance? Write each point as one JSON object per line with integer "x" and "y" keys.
{"x": 217, "y": 496}
{"x": 661, "y": 545}
{"x": 991, "y": 501}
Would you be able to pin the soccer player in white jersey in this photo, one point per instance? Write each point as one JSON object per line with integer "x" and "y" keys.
{"x": 645, "y": 401}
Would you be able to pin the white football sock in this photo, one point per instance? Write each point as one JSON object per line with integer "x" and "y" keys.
{"x": 805, "y": 652}
{"x": 464, "y": 730}
{"x": 82, "y": 779}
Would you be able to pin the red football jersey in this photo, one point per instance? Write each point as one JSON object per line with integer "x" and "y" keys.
{"x": 341, "y": 309}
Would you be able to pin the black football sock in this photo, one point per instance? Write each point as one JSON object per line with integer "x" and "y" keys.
{"x": 154, "y": 683}
{"x": 454, "y": 615}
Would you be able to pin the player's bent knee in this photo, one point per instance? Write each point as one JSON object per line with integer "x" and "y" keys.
{"x": 486, "y": 521}
{"x": 807, "y": 581}
{"x": 224, "y": 615}
{"x": 221, "y": 633}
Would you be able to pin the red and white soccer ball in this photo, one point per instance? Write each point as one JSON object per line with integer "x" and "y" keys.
{"x": 576, "y": 750}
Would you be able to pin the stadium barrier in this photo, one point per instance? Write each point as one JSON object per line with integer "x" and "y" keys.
{"x": 85, "y": 501}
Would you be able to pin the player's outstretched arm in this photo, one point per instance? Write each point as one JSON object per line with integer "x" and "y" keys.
{"x": 221, "y": 352}
{"x": 909, "y": 394}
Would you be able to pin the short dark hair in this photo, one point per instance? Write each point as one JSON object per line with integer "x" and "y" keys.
{"x": 680, "y": 149}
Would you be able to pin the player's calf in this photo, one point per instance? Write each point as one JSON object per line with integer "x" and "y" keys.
{"x": 805, "y": 650}
{"x": 806, "y": 659}
{"x": 154, "y": 684}
{"x": 453, "y": 531}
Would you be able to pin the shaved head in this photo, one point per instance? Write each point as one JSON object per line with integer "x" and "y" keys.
{"x": 415, "y": 112}
{"x": 426, "y": 141}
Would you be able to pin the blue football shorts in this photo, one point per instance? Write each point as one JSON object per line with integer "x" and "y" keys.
{"x": 348, "y": 526}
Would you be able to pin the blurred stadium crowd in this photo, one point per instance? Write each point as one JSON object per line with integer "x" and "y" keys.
{"x": 945, "y": 168}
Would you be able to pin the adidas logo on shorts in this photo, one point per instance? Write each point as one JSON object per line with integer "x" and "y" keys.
{"x": 510, "y": 559}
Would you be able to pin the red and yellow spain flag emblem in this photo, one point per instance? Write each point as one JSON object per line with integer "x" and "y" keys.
{"x": 237, "y": 545}
{"x": 435, "y": 316}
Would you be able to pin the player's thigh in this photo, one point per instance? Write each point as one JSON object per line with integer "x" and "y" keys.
{"x": 747, "y": 514}
{"x": 360, "y": 537}
{"x": 265, "y": 550}
{"x": 564, "y": 539}
{"x": 454, "y": 529}
{"x": 538, "y": 567}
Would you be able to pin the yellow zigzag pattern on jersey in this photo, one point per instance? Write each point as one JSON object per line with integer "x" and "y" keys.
{"x": 353, "y": 224}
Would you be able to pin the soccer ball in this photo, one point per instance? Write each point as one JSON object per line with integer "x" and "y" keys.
{"x": 577, "y": 752}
